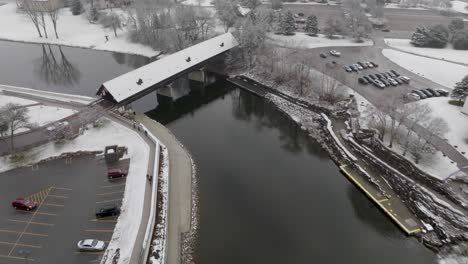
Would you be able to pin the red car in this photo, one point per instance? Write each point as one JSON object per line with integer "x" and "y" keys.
{"x": 116, "y": 173}
{"x": 24, "y": 204}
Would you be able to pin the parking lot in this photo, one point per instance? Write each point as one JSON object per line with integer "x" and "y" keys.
{"x": 67, "y": 191}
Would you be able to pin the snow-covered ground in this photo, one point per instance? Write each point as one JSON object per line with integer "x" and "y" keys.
{"x": 198, "y": 2}
{"x": 457, "y": 121}
{"x": 42, "y": 115}
{"x": 15, "y": 100}
{"x": 459, "y": 6}
{"x": 72, "y": 30}
{"x": 110, "y": 133}
{"x": 301, "y": 40}
{"x": 67, "y": 98}
{"x": 448, "y": 53}
{"x": 398, "y": 6}
{"x": 443, "y": 73}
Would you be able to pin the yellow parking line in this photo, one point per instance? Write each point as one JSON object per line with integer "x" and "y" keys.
{"x": 41, "y": 213}
{"x": 383, "y": 200}
{"x": 61, "y": 188}
{"x": 58, "y": 196}
{"x": 21, "y": 245}
{"x": 109, "y": 193}
{"x": 17, "y": 232}
{"x": 100, "y": 231}
{"x": 53, "y": 204}
{"x": 103, "y": 221}
{"x": 108, "y": 201}
{"x": 89, "y": 253}
{"x": 11, "y": 257}
{"x": 34, "y": 223}
{"x": 114, "y": 185}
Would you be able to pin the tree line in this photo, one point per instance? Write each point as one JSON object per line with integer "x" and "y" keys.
{"x": 440, "y": 35}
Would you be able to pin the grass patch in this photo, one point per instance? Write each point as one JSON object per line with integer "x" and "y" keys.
{"x": 456, "y": 103}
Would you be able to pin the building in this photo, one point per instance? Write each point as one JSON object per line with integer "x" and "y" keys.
{"x": 465, "y": 107}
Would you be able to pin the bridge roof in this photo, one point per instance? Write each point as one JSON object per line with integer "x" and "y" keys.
{"x": 126, "y": 85}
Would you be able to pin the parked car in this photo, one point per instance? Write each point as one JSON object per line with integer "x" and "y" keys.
{"x": 385, "y": 81}
{"x": 421, "y": 94}
{"x": 323, "y": 55}
{"x": 428, "y": 94}
{"x": 434, "y": 93}
{"x": 378, "y": 84}
{"x": 354, "y": 67}
{"x": 372, "y": 76}
{"x": 116, "y": 173}
{"x": 394, "y": 72}
{"x": 91, "y": 245}
{"x": 369, "y": 65}
{"x": 347, "y": 68}
{"x": 443, "y": 92}
{"x": 392, "y": 82}
{"x": 413, "y": 97}
{"x": 364, "y": 66}
{"x": 390, "y": 74}
{"x": 335, "y": 53}
{"x": 398, "y": 80}
{"x": 405, "y": 79}
{"x": 24, "y": 204}
{"x": 110, "y": 210}
{"x": 369, "y": 80}
{"x": 362, "y": 80}
{"x": 358, "y": 66}
{"x": 379, "y": 76}
{"x": 374, "y": 64}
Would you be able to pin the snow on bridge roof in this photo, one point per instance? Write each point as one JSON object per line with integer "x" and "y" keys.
{"x": 129, "y": 84}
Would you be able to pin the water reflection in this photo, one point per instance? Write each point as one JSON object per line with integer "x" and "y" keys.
{"x": 55, "y": 68}
{"x": 130, "y": 60}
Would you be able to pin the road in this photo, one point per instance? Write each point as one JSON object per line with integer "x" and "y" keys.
{"x": 398, "y": 19}
{"x": 68, "y": 192}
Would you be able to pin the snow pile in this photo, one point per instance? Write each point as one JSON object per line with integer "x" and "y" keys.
{"x": 447, "y": 53}
{"x": 459, "y": 6}
{"x": 456, "y": 120}
{"x": 302, "y": 40}
{"x": 160, "y": 234}
{"x": 443, "y": 73}
{"x": 72, "y": 30}
{"x": 42, "y": 115}
{"x": 96, "y": 139}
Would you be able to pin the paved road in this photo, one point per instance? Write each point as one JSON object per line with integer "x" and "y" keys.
{"x": 398, "y": 19}
{"x": 69, "y": 191}
{"x": 180, "y": 187}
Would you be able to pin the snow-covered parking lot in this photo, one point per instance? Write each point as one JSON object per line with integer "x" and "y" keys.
{"x": 301, "y": 40}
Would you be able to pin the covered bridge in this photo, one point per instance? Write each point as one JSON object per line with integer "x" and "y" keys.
{"x": 139, "y": 82}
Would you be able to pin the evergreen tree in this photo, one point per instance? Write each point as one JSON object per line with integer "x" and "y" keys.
{"x": 456, "y": 24}
{"x": 437, "y": 36}
{"x": 288, "y": 25}
{"x": 460, "y": 91}
{"x": 76, "y": 7}
{"x": 419, "y": 38}
{"x": 460, "y": 40}
{"x": 311, "y": 25}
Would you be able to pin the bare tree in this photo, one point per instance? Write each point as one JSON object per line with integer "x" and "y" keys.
{"x": 357, "y": 21}
{"x": 43, "y": 24}
{"x": 53, "y": 12}
{"x": 14, "y": 117}
{"x": 228, "y": 12}
{"x": 32, "y": 14}
{"x": 418, "y": 113}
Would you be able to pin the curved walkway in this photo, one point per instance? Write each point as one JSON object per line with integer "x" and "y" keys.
{"x": 180, "y": 187}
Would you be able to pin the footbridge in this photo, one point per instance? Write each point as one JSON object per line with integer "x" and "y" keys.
{"x": 144, "y": 80}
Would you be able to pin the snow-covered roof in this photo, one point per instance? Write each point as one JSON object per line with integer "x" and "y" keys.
{"x": 138, "y": 80}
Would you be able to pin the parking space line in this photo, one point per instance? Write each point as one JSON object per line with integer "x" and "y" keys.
{"x": 103, "y": 221}
{"x": 110, "y": 186}
{"x": 109, "y": 193}
{"x": 68, "y": 160}
{"x": 108, "y": 201}
{"x": 17, "y": 232}
{"x": 61, "y": 188}
{"x": 58, "y": 196}
{"x": 12, "y": 257}
{"x": 100, "y": 230}
{"x": 34, "y": 223}
{"x": 53, "y": 204}
{"x": 40, "y": 196}
{"x": 21, "y": 245}
{"x": 89, "y": 253}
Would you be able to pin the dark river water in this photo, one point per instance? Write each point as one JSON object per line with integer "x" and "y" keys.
{"x": 268, "y": 193}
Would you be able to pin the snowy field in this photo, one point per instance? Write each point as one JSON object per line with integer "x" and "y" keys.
{"x": 459, "y": 6}
{"x": 448, "y": 53}
{"x": 42, "y": 115}
{"x": 93, "y": 139}
{"x": 443, "y": 73}
{"x": 397, "y": 6}
{"x": 457, "y": 121}
{"x": 15, "y": 100}
{"x": 301, "y": 40}
{"x": 73, "y": 31}
{"x": 80, "y": 99}
{"x": 198, "y": 2}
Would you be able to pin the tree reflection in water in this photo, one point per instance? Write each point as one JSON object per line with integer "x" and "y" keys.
{"x": 55, "y": 68}
{"x": 265, "y": 114}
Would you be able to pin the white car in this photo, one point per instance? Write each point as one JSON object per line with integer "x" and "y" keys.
{"x": 335, "y": 53}
{"x": 414, "y": 97}
{"x": 91, "y": 245}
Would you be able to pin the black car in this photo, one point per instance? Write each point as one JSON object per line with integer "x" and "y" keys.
{"x": 421, "y": 94}
{"x": 110, "y": 210}
{"x": 362, "y": 80}
{"x": 323, "y": 55}
{"x": 372, "y": 76}
{"x": 379, "y": 76}
{"x": 367, "y": 79}
{"x": 398, "y": 80}
{"x": 347, "y": 69}
{"x": 434, "y": 93}
{"x": 391, "y": 74}
{"x": 428, "y": 94}
{"x": 354, "y": 68}
{"x": 394, "y": 72}
{"x": 384, "y": 81}
{"x": 363, "y": 65}
{"x": 374, "y": 64}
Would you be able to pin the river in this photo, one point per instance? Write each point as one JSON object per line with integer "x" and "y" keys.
{"x": 268, "y": 193}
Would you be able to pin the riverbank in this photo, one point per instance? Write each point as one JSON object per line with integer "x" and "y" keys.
{"x": 421, "y": 203}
